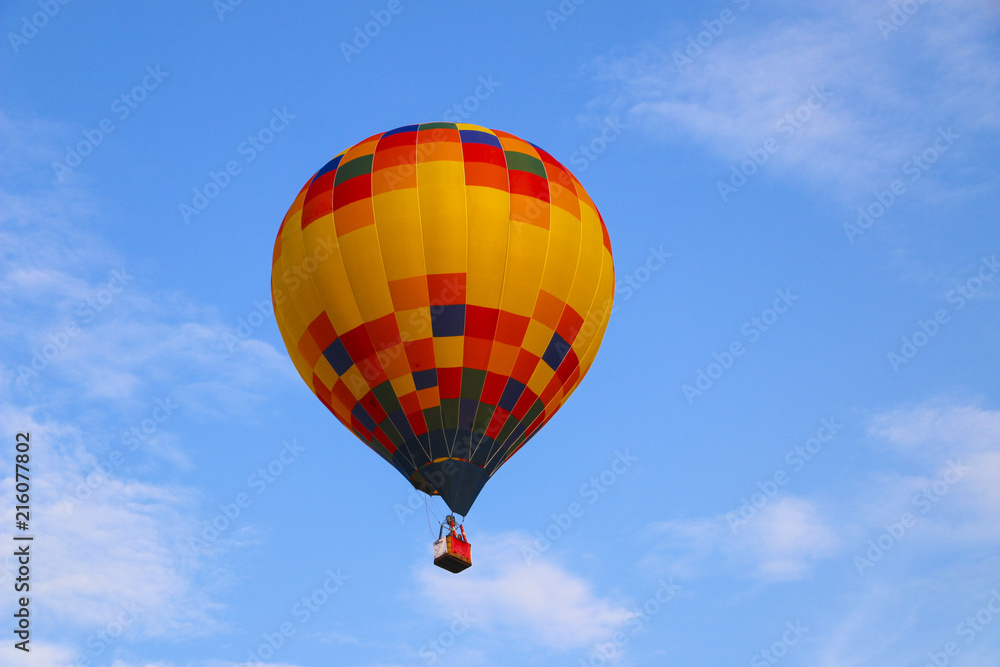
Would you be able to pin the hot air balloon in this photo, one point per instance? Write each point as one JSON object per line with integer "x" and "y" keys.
{"x": 443, "y": 288}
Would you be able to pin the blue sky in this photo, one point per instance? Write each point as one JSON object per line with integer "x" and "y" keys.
{"x": 785, "y": 453}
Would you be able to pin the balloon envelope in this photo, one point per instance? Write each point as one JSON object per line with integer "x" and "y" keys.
{"x": 443, "y": 288}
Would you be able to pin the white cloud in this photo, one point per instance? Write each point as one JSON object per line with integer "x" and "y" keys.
{"x": 940, "y": 427}
{"x": 911, "y": 599}
{"x": 108, "y": 545}
{"x": 780, "y": 543}
{"x": 113, "y": 341}
{"x": 787, "y": 537}
{"x": 537, "y": 601}
{"x": 937, "y": 433}
{"x": 110, "y": 542}
{"x": 41, "y": 654}
{"x": 888, "y": 97}
{"x": 81, "y": 322}
{"x": 945, "y": 479}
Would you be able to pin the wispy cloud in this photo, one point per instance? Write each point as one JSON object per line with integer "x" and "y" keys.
{"x": 939, "y": 432}
{"x": 43, "y": 654}
{"x": 110, "y": 542}
{"x": 887, "y": 97}
{"x": 87, "y": 346}
{"x": 913, "y": 545}
{"x": 88, "y": 324}
{"x": 782, "y": 543}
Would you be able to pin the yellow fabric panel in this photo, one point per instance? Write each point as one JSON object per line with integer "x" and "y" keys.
{"x": 325, "y": 371}
{"x": 488, "y": 229}
{"x": 525, "y": 263}
{"x": 563, "y": 253}
{"x": 447, "y": 175}
{"x": 414, "y": 324}
{"x": 540, "y": 378}
{"x": 300, "y": 304}
{"x": 403, "y": 385}
{"x": 400, "y": 237}
{"x": 484, "y": 289}
{"x": 356, "y": 382}
{"x": 588, "y": 272}
{"x": 588, "y": 292}
{"x": 288, "y": 325}
{"x": 363, "y": 263}
{"x": 441, "y": 188}
{"x": 586, "y": 346}
{"x": 448, "y": 351}
{"x": 536, "y": 338}
{"x": 329, "y": 280}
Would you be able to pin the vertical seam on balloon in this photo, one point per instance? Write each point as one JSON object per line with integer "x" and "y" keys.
{"x": 279, "y": 312}
{"x": 373, "y": 443}
{"x": 503, "y": 286}
{"x": 423, "y": 254}
{"x": 378, "y": 243}
{"x": 597, "y": 340}
{"x": 469, "y": 446}
{"x": 465, "y": 324}
{"x": 378, "y": 247}
{"x": 607, "y": 261}
{"x": 566, "y": 305}
{"x": 283, "y": 259}
{"x": 498, "y": 446}
{"x": 465, "y": 199}
{"x": 295, "y": 233}
{"x": 296, "y": 236}
{"x": 364, "y": 323}
{"x": 579, "y": 187}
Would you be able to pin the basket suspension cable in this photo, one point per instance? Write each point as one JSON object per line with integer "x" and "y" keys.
{"x": 428, "y": 513}
{"x": 437, "y": 517}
